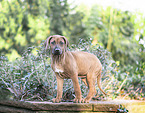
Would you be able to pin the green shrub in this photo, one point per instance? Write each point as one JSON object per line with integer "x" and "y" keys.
{"x": 30, "y": 77}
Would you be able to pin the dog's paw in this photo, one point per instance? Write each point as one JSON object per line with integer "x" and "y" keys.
{"x": 85, "y": 100}
{"x": 77, "y": 100}
{"x": 56, "y": 100}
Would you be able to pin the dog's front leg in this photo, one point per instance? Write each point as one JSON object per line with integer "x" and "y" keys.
{"x": 59, "y": 89}
{"x": 77, "y": 89}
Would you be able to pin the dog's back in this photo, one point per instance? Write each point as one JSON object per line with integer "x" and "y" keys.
{"x": 86, "y": 62}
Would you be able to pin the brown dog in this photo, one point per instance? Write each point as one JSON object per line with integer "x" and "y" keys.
{"x": 71, "y": 65}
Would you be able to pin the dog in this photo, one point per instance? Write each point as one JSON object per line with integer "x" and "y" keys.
{"x": 71, "y": 65}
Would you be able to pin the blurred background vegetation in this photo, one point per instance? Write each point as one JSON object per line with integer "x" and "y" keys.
{"x": 116, "y": 37}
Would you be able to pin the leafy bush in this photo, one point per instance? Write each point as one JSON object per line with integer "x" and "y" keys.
{"x": 30, "y": 77}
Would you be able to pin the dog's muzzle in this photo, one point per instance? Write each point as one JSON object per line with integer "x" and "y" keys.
{"x": 57, "y": 51}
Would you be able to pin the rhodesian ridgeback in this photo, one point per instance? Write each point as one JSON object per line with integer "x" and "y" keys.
{"x": 71, "y": 65}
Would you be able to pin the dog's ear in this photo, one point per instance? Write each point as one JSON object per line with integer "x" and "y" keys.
{"x": 66, "y": 41}
{"x": 47, "y": 42}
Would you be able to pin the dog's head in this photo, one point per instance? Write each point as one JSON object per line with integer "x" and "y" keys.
{"x": 58, "y": 44}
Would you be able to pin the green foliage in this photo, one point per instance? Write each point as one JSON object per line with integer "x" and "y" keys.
{"x": 59, "y": 12}
{"x": 21, "y": 25}
{"x": 114, "y": 29}
{"x": 76, "y": 28}
{"x": 64, "y": 22}
{"x": 27, "y": 76}
{"x": 30, "y": 77}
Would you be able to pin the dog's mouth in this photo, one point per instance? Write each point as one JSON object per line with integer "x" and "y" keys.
{"x": 57, "y": 51}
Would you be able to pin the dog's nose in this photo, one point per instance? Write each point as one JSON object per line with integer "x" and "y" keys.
{"x": 57, "y": 49}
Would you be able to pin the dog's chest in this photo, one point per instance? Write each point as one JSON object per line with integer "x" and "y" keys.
{"x": 61, "y": 73}
{"x": 57, "y": 70}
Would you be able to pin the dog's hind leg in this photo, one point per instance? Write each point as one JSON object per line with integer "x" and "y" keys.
{"x": 85, "y": 81}
{"x": 91, "y": 85}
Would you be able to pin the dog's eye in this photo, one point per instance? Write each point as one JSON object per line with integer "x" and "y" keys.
{"x": 61, "y": 43}
{"x": 53, "y": 42}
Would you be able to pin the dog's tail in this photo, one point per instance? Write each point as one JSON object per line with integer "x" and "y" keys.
{"x": 99, "y": 82}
